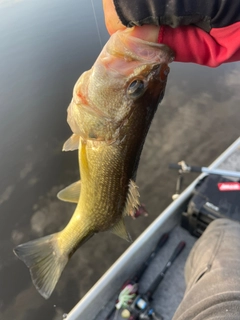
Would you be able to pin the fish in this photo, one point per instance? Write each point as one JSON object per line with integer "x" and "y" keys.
{"x": 110, "y": 114}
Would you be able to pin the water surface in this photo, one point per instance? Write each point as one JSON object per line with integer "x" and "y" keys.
{"x": 44, "y": 47}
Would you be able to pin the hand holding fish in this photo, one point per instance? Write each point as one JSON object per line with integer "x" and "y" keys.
{"x": 203, "y": 32}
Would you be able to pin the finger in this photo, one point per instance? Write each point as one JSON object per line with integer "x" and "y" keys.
{"x": 146, "y": 32}
{"x": 112, "y": 20}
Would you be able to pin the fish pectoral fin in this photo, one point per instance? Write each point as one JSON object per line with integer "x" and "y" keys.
{"x": 120, "y": 230}
{"x": 72, "y": 143}
{"x": 70, "y": 193}
{"x": 45, "y": 261}
{"x": 132, "y": 202}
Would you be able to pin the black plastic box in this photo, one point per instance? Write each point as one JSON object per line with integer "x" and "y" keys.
{"x": 209, "y": 203}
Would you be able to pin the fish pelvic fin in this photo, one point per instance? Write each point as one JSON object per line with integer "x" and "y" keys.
{"x": 120, "y": 230}
{"x": 45, "y": 262}
{"x": 71, "y": 193}
{"x": 132, "y": 202}
{"x": 72, "y": 143}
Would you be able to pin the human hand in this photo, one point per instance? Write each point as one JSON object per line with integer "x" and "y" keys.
{"x": 112, "y": 20}
{"x": 113, "y": 24}
{"x": 199, "y": 38}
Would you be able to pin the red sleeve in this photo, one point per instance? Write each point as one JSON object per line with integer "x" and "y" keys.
{"x": 192, "y": 44}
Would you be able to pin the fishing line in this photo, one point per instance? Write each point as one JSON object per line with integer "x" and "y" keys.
{"x": 97, "y": 26}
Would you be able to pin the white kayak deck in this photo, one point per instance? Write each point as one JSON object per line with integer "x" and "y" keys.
{"x": 97, "y": 303}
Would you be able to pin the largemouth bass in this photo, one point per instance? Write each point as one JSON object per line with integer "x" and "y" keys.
{"x": 112, "y": 108}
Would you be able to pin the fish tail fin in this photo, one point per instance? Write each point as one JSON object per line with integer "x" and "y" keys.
{"x": 45, "y": 262}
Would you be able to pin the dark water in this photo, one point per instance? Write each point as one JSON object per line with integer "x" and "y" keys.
{"x": 44, "y": 47}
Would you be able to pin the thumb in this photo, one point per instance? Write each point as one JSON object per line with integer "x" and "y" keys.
{"x": 112, "y": 20}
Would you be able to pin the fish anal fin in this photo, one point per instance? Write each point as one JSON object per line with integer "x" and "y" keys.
{"x": 70, "y": 193}
{"x": 120, "y": 230}
{"x": 72, "y": 143}
{"x": 132, "y": 202}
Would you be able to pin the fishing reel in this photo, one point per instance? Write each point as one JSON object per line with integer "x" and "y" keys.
{"x": 150, "y": 315}
{"x": 141, "y": 309}
{"x": 137, "y": 306}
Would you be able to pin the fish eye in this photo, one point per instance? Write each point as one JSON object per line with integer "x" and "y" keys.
{"x": 136, "y": 88}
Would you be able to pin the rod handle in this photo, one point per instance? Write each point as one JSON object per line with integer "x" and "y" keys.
{"x": 177, "y": 251}
{"x": 142, "y": 269}
{"x": 160, "y": 277}
{"x": 162, "y": 241}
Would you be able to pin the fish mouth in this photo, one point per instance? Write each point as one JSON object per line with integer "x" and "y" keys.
{"x": 131, "y": 48}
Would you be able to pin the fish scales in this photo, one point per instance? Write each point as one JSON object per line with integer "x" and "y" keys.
{"x": 110, "y": 114}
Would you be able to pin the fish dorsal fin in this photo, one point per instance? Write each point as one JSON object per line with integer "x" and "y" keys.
{"x": 72, "y": 143}
{"x": 132, "y": 202}
{"x": 120, "y": 230}
{"x": 70, "y": 193}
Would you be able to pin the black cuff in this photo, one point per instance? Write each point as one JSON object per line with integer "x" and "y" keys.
{"x": 205, "y": 14}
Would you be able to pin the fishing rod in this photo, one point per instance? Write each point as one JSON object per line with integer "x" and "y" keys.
{"x": 184, "y": 168}
{"x": 129, "y": 284}
{"x": 141, "y": 308}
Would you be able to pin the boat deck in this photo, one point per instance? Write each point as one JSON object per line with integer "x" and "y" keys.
{"x": 171, "y": 290}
